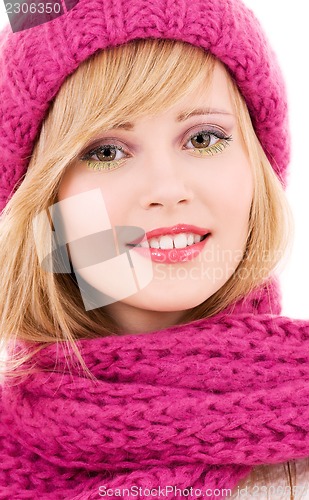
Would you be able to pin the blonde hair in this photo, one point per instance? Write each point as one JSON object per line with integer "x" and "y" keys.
{"x": 50, "y": 308}
{"x": 128, "y": 82}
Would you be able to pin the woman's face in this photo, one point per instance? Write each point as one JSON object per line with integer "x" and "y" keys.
{"x": 179, "y": 177}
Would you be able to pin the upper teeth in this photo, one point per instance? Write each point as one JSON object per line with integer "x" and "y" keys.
{"x": 168, "y": 241}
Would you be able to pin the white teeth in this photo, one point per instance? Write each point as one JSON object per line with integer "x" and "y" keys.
{"x": 181, "y": 240}
{"x": 154, "y": 243}
{"x": 144, "y": 244}
{"x": 167, "y": 242}
{"x": 190, "y": 239}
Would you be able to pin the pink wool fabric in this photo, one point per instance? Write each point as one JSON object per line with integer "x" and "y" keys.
{"x": 191, "y": 406}
{"x": 194, "y": 405}
{"x": 35, "y": 62}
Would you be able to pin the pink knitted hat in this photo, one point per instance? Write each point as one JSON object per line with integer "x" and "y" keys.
{"x": 34, "y": 63}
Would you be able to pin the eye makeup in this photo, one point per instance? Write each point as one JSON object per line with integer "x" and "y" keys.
{"x": 102, "y": 152}
{"x": 208, "y": 142}
{"x": 210, "y": 149}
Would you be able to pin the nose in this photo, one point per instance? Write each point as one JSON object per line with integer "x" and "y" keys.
{"x": 167, "y": 181}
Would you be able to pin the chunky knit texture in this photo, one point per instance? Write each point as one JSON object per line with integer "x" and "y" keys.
{"x": 194, "y": 405}
{"x": 35, "y": 62}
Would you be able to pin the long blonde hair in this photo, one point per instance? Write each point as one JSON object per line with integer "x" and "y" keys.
{"x": 49, "y": 307}
{"x": 128, "y": 82}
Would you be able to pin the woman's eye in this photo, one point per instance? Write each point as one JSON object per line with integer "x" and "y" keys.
{"x": 110, "y": 156}
{"x": 105, "y": 157}
{"x": 207, "y": 142}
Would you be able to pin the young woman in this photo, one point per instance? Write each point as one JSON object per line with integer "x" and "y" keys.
{"x": 144, "y": 154}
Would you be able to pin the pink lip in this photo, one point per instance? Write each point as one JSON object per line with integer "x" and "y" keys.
{"x": 173, "y": 255}
{"x": 179, "y": 228}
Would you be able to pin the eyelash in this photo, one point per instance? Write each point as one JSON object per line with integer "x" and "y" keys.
{"x": 112, "y": 165}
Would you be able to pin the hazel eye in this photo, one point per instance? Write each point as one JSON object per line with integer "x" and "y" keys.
{"x": 105, "y": 153}
{"x": 205, "y": 139}
{"x": 105, "y": 157}
{"x": 208, "y": 142}
{"x": 201, "y": 140}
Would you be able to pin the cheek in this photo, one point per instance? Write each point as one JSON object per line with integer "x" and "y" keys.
{"x": 81, "y": 205}
{"x": 232, "y": 190}
{"x": 231, "y": 196}
{"x": 76, "y": 180}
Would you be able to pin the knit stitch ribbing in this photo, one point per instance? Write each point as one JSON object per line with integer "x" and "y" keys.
{"x": 185, "y": 402}
{"x": 34, "y": 63}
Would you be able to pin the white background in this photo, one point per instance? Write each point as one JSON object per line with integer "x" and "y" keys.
{"x": 286, "y": 25}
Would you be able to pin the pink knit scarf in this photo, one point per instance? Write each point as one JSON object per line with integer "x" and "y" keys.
{"x": 192, "y": 406}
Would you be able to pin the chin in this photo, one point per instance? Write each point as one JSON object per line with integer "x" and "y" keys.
{"x": 165, "y": 303}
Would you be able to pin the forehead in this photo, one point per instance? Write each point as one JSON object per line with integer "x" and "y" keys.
{"x": 211, "y": 99}
{"x": 215, "y": 95}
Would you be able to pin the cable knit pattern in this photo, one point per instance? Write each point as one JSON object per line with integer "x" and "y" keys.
{"x": 194, "y": 405}
{"x": 35, "y": 62}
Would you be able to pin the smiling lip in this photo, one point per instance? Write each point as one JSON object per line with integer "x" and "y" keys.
{"x": 172, "y": 255}
{"x": 179, "y": 228}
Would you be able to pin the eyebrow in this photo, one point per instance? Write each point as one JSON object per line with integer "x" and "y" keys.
{"x": 185, "y": 115}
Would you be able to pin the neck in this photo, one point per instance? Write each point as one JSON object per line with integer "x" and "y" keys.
{"x": 134, "y": 320}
